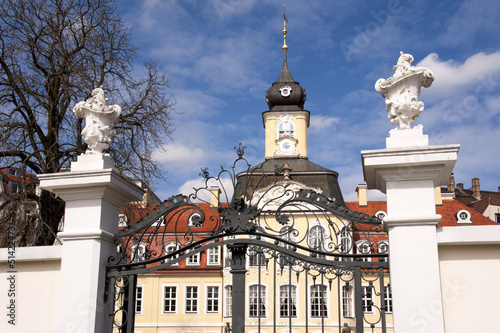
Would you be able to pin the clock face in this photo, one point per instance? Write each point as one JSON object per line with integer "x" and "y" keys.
{"x": 286, "y": 144}
{"x": 285, "y": 91}
{"x": 286, "y": 147}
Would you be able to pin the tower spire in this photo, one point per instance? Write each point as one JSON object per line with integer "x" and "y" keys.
{"x": 285, "y": 21}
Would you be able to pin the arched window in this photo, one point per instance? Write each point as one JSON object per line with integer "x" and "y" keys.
{"x": 287, "y": 233}
{"x": 345, "y": 241}
{"x": 363, "y": 247}
{"x": 172, "y": 247}
{"x": 316, "y": 240}
{"x": 383, "y": 246}
{"x": 138, "y": 252}
{"x": 286, "y": 126}
{"x": 288, "y": 301}
{"x": 229, "y": 301}
{"x": 347, "y": 292}
{"x": 319, "y": 301}
{"x": 257, "y": 300}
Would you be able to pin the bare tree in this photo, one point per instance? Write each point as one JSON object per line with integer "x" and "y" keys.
{"x": 53, "y": 53}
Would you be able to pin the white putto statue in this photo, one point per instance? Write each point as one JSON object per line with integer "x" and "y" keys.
{"x": 100, "y": 120}
{"x": 401, "y": 91}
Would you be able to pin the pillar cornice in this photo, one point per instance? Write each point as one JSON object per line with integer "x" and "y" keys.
{"x": 408, "y": 164}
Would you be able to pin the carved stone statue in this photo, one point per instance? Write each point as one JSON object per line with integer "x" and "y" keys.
{"x": 100, "y": 119}
{"x": 346, "y": 328}
{"x": 401, "y": 91}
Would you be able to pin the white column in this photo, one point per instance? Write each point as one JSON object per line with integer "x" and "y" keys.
{"x": 94, "y": 192}
{"x": 408, "y": 175}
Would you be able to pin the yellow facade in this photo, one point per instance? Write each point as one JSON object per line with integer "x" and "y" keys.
{"x": 274, "y": 281}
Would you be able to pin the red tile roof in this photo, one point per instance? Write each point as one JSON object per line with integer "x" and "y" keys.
{"x": 448, "y": 211}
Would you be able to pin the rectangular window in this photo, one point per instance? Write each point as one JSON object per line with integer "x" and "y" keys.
{"x": 257, "y": 298}
{"x": 388, "y": 298}
{"x": 213, "y": 299}
{"x": 169, "y": 299}
{"x": 319, "y": 305}
{"x": 257, "y": 258}
{"x": 347, "y": 301}
{"x": 229, "y": 301}
{"x": 191, "y": 299}
{"x": 194, "y": 259}
{"x": 138, "y": 299}
{"x": 214, "y": 256}
{"x": 288, "y": 301}
{"x": 497, "y": 218}
{"x": 367, "y": 299}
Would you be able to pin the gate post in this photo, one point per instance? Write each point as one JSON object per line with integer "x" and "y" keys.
{"x": 409, "y": 176}
{"x": 94, "y": 192}
{"x": 238, "y": 272}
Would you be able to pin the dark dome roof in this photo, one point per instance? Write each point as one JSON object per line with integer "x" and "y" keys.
{"x": 279, "y": 99}
{"x": 302, "y": 170}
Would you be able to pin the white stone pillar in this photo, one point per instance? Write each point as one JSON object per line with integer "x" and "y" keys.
{"x": 408, "y": 175}
{"x": 94, "y": 192}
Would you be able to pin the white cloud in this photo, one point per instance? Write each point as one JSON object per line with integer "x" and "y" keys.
{"x": 476, "y": 72}
{"x": 181, "y": 154}
{"x": 201, "y": 188}
{"x": 321, "y": 123}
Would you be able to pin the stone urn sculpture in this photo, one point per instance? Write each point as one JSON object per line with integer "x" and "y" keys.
{"x": 100, "y": 120}
{"x": 401, "y": 91}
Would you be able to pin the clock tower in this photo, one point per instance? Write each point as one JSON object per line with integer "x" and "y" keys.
{"x": 286, "y": 121}
{"x": 287, "y": 162}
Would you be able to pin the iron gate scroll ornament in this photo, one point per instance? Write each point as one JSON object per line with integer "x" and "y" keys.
{"x": 248, "y": 222}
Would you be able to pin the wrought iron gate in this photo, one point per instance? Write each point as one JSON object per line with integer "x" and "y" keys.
{"x": 299, "y": 238}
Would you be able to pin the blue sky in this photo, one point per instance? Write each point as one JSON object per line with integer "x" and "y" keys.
{"x": 222, "y": 56}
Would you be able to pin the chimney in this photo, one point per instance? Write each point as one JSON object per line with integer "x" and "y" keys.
{"x": 451, "y": 184}
{"x": 460, "y": 186}
{"x": 214, "y": 196}
{"x": 362, "y": 199}
{"x": 437, "y": 196}
{"x": 476, "y": 191}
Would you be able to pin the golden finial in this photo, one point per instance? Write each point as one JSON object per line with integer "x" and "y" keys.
{"x": 285, "y": 21}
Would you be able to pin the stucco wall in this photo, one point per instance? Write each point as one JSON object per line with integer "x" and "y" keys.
{"x": 470, "y": 266}
{"x": 36, "y": 275}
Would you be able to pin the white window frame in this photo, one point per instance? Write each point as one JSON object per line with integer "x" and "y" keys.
{"x": 383, "y": 246}
{"x": 388, "y": 298}
{"x": 176, "y": 298}
{"x": 365, "y": 299}
{"x": 264, "y": 290}
{"x": 283, "y": 233}
{"x": 122, "y": 220}
{"x": 141, "y": 252}
{"x": 169, "y": 244}
{"x": 326, "y": 297}
{"x": 190, "y": 219}
{"x": 139, "y": 301}
{"x": 364, "y": 247}
{"x": 194, "y": 298}
{"x": 321, "y": 241}
{"x": 347, "y": 300}
{"x": 213, "y": 253}
{"x": 254, "y": 258}
{"x": 193, "y": 260}
{"x": 228, "y": 301}
{"x": 295, "y": 302}
{"x": 214, "y": 299}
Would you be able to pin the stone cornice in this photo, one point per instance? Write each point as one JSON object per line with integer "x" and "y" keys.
{"x": 408, "y": 164}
